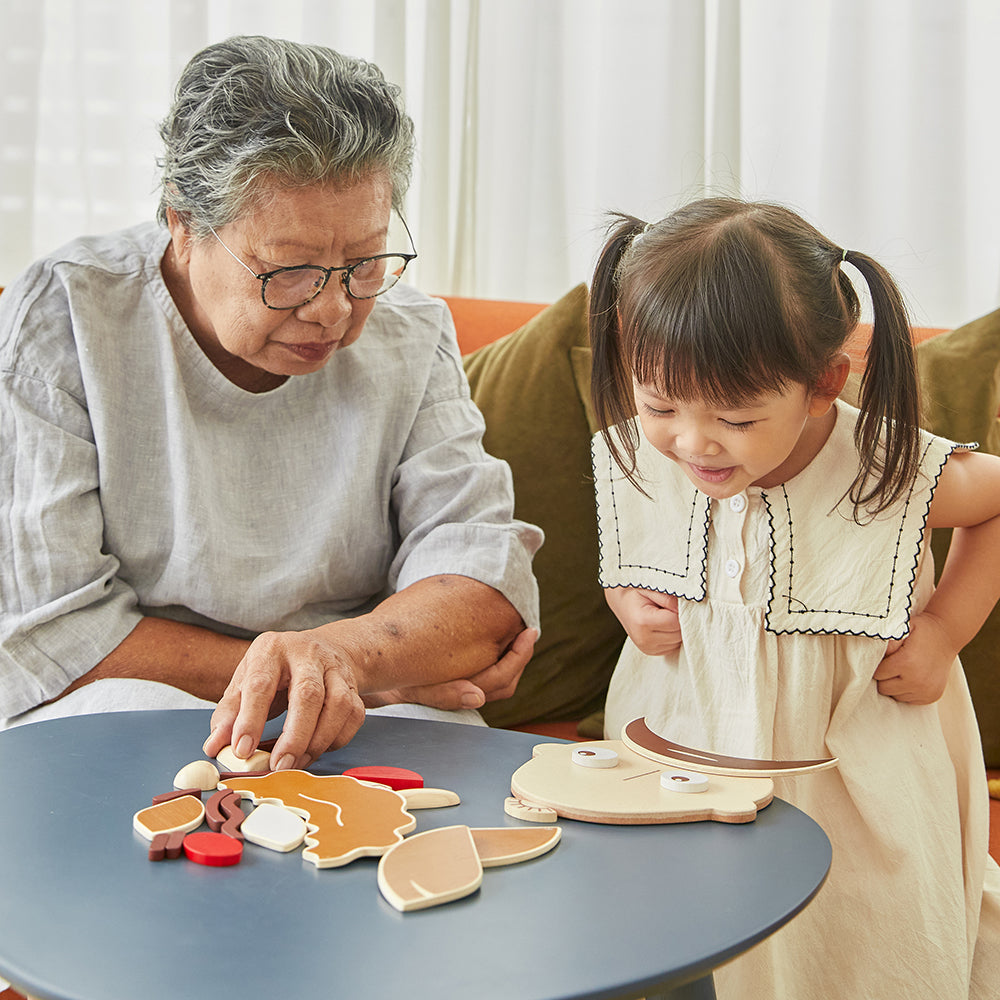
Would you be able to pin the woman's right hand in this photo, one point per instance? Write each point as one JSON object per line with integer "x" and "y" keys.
{"x": 310, "y": 673}
{"x": 649, "y": 617}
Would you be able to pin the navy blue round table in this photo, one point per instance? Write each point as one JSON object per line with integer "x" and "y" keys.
{"x": 613, "y": 911}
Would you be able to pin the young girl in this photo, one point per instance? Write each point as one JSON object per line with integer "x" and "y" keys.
{"x": 765, "y": 546}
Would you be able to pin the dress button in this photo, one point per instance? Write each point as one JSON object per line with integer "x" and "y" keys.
{"x": 732, "y": 568}
{"x": 738, "y": 503}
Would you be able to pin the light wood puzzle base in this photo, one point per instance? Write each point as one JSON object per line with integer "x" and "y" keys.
{"x": 551, "y": 785}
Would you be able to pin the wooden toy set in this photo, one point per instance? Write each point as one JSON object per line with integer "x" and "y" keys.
{"x": 338, "y": 818}
{"x": 367, "y": 811}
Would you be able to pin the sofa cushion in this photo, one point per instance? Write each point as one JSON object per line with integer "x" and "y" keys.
{"x": 533, "y": 389}
{"x": 960, "y": 390}
{"x": 960, "y": 396}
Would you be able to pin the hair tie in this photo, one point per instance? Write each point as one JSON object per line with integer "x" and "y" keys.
{"x": 843, "y": 256}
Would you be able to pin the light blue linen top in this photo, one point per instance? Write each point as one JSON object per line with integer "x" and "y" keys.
{"x": 136, "y": 479}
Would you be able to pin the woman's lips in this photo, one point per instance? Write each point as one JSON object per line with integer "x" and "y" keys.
{"x": 711, "y": 475}
{"x": 315, "y": 351}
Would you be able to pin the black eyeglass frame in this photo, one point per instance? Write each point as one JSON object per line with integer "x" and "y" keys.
{"x": 345, "y": 279}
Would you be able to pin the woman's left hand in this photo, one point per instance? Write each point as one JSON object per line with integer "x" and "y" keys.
{"x": 915, "y": 670}
{"x": 497, "y": 681}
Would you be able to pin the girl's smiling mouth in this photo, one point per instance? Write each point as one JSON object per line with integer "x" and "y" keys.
{"x": 711, "y": 475}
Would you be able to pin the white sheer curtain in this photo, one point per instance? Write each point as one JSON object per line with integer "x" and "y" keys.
{"x": 875, "y": 118}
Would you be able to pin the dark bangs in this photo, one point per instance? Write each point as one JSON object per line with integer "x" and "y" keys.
{"x": 713, "y": 324}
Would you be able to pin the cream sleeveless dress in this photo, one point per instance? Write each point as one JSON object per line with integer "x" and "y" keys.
{"x": 786, "y": 609}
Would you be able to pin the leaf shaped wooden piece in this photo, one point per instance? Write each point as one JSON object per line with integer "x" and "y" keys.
{"x": 509, "y": 845}
{"x": 430, "y": 868}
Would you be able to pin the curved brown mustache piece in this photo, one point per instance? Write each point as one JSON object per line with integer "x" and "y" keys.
{"x": 644, "y": 741}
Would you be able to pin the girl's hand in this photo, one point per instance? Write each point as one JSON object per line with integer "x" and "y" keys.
{"x": 916, "y": 669}
{"x": 649, "y": 618}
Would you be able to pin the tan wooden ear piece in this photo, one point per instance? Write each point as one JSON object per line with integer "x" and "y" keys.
{"x": 445, "y": 864}
{"x": 430, "y": 868}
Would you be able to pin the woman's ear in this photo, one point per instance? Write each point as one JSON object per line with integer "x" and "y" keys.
{"x": 830, "y": 385}
{"x": 180, "y": 236}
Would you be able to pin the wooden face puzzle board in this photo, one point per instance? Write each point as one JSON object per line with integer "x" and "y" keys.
{"x": 630, "y": 792}
{"x": 644, "y": 778}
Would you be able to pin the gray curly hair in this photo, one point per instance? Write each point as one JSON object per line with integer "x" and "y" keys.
{"x": 252, "y": 111}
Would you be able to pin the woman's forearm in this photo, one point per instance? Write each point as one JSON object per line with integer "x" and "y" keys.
{"x": 194, "y": 659}
{"x": 438, "y": 629}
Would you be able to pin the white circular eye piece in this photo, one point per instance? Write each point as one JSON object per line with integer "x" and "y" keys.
{"x": 684, "y": 781}
{"x": 589, "y": 756}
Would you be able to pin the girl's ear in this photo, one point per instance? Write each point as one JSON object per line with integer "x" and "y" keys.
{"x": 830, "y": 385}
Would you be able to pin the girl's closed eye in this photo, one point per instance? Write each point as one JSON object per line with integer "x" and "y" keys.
{"x": 654, "y": 411}
{"x": 739, "y": 425}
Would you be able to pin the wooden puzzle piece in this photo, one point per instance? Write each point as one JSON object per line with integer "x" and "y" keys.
{"x": 213, "y": 849}
{"x": 396, "y": 778}
{"x": 259, "y": 760}
{"x": 429, "y": 798}
{"x": 176, "y": 794}
{"x": 167, "y": 846}
{"x": 591, "y": 756}
{"x": 510, "y": 845}
{"x": 274, "y": 827}
{"x": 430, "y": 868}
{"x": 224, "y": 814}
{"x": 224, "y": 775}
{"x": 629, "y": 793}
{"x": 442, "y": 865}
{"x": 684, "y": 781}
{"x": 346, "y": 819}
{"x": 182, "y": 813}
{"x": 201, "y": 774}
{"x": 529, "y": 811}
{"x": 637, "y": 736}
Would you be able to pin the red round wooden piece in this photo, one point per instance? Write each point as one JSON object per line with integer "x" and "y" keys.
{"x": 214, "y": 849}
{"x": 394, "y": 777}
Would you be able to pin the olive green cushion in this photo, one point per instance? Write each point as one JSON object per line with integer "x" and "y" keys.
{"x": 960, "y": 389}
{"x": 959, "y": 375}
{"x": 532, "y": 387}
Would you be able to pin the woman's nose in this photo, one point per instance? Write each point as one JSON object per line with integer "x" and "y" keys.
{"x": 330, "y": 307}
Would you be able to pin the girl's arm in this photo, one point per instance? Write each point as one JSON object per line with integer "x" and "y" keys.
{"x": 967, "y": 498}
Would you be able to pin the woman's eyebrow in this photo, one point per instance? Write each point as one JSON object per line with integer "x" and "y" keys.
{"x": 298, "y": 245}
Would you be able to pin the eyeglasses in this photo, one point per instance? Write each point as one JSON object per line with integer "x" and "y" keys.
{"x": 291, "y": 287}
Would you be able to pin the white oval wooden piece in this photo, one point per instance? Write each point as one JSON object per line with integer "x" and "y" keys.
{"x": 684, "y": 781}
{"x": 430, "y": 868}
{"x": 274, "y": 827}
{"x": 201, "y": 774}
{"x": 588, "y": 756}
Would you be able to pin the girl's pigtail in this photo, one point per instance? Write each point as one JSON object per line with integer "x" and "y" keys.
{"x": 611, "y": 377}
{"x": 887, "y": 432}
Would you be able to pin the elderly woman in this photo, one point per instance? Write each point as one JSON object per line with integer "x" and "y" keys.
{"x": 239, "y": 464}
